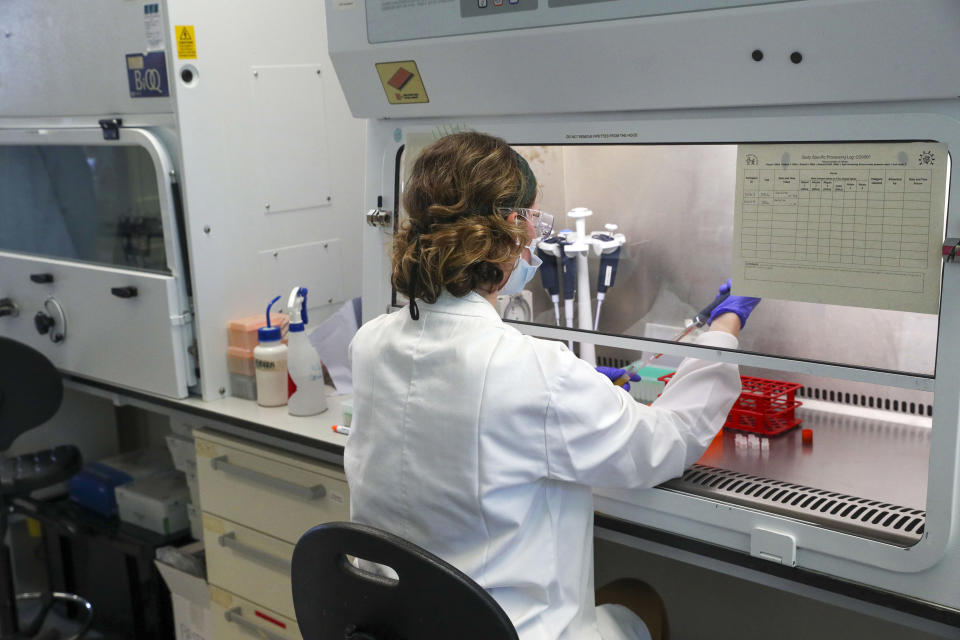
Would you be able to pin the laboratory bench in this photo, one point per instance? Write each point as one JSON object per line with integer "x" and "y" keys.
{"x": 264, "y": 478}
{"x": 291, "y": 468}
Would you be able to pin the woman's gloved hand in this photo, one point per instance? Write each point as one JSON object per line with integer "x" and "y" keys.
{"x": 615, "y": 374}
{"x": 743, "y": 306}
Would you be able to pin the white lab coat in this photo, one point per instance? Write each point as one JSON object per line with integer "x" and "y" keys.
{"x": 482, "y": 444}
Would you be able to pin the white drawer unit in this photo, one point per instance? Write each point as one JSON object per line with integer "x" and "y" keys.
{"x": 257, "y": 501}
{"x": 235, "y": 618}
{"x": 244, "y": 561}
{"x": 277, "y": 493}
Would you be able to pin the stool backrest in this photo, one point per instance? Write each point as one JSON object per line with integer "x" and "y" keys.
{"x": 31, "y": 390}
{"x": 431, "y": 599}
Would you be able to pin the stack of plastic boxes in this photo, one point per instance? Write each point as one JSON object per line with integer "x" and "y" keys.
{"x": 242, "y": 338}
{"x": 184, "y": 453}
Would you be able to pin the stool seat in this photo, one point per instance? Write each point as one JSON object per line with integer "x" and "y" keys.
{"x": 30, "y": 471}
{"x": 429, "y": 600}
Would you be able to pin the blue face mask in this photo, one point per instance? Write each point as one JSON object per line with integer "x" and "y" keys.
{"x": 521, "y": 274}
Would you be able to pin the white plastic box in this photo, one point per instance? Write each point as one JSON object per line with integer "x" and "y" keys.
{"x": 157, "y": 503}
{"x": 190, "y": 597}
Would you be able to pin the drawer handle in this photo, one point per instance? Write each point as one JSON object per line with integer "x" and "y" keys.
{"x": 229, "y": 540}
{"x": 235, "y": 616}
{"x": 306, "y": 493}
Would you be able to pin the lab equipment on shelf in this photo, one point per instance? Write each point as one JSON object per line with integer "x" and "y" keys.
{"x": 157, "y": 503}
{"x": 572, "y": 249}
{"x": 270, "y": 360}
{"x": 94, "y": 486}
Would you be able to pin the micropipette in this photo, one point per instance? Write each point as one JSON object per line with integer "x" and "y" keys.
{"x": 609, "y": 260}
{"x": 698, "y": 321}
{"x": 549, "y": 252}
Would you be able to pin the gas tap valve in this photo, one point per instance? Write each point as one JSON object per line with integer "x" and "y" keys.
{"x": 9, "y": 308}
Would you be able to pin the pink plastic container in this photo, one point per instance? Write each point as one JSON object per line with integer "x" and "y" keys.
{"x": 240, "y": 361}
{"x": 242, "y": 332}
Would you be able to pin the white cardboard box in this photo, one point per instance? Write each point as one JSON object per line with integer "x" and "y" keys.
{"x": 157, "y": 503}
{"x": 190, "y": 596}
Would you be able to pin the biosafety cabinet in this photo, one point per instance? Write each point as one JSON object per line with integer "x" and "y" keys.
{"x": 802, "y": 149}
{"x": 166, "y": 167}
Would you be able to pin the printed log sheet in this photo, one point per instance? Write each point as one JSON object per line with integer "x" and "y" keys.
{"x": 849, "y": 224}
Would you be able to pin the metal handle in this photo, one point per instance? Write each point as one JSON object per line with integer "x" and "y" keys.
{"x": 124, "y": 292}
{"x": 379, "y": 218}
{"x": 236, "y": 617}
{"x": 221, "y": 463}
{"x": 229, "y": 540}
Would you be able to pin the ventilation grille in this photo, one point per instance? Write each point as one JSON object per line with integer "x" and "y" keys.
{"x": 869, "y": 518}
{"x": 829, "y": 395}
{"x": 862, "y": 400}
{"x": 607, "y": 361}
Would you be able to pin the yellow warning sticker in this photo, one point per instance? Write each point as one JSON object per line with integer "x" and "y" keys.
{"x": 186, "y": 42}
{"x": 402, "y": 82}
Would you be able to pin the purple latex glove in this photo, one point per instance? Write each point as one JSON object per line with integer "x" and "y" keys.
{"x": 740, "y": 305}
{"x": 615, "y": 374}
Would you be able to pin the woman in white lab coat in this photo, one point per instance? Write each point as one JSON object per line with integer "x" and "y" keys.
{"x": 482, "y": 444}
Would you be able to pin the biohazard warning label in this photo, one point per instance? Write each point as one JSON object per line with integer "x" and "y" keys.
{"x": 186, "y": 42}
{"x": 402, "y": 82}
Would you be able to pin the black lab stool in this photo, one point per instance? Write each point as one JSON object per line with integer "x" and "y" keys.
{"x": 30, "y": 394}
{"x": 431, "y": 600}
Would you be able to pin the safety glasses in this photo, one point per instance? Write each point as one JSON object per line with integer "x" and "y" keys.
{"x": 541, "y": 220}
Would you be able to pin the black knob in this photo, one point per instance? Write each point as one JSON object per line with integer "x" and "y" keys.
{"x": 124, "y": 292}
{"x": 41, "y": 278}
{"x": 43, "y": 323}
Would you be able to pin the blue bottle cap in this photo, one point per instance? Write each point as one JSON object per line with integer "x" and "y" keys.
{"x": 269, "y": 334}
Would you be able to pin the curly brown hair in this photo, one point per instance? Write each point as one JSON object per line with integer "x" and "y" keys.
{"x": 456, "y": 237}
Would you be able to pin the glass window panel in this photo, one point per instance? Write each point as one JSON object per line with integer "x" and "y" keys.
{"x": 675, "y": 206}
{"x": 97, "y": 204}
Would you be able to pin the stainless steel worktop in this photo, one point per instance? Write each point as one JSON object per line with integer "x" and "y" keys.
{"x": 865, "y": 472}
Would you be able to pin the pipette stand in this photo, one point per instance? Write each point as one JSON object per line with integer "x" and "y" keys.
{"x": 581, "y": 247}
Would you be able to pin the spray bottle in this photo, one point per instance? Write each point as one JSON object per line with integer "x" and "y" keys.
{"x": 307, "y": 396}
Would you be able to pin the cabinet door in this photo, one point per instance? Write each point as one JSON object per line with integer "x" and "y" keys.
{"x": 90, "y": 246}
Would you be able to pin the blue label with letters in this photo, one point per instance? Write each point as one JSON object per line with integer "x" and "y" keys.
{"x": 147, "y": 75}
